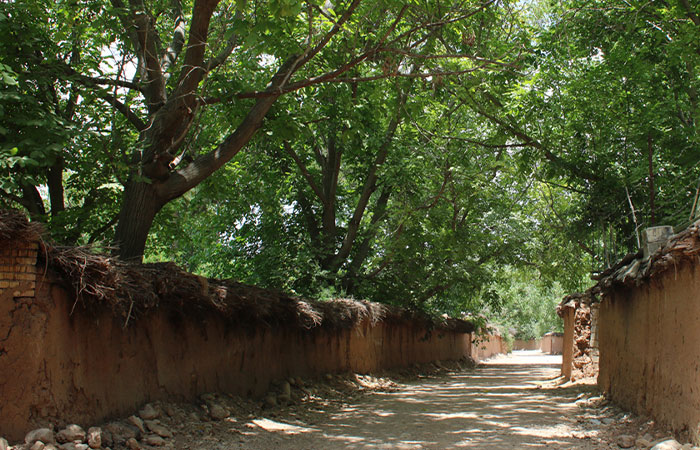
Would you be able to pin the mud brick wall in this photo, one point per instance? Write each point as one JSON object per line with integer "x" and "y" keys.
{"x": 61, "y": 363}
{"x": 552, "y": 344}
{"x": 18, "y": 269}
{"x": 529, "y": 344}
{"x": 567, "y": 358}
{"x": 486, "y": 346}
{"x": 649, "y": 344}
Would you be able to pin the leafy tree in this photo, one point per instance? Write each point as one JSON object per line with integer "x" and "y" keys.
{"x": 193, "y": 81}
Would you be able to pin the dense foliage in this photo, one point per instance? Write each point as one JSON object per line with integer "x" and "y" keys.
{"x": 460, "y": 157}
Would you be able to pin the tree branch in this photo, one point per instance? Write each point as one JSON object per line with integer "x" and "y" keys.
{"x": 304, "y": 171}
{"x": 135, "y": 120}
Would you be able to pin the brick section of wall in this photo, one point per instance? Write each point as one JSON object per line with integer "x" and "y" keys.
{"x": 18, "y": 269}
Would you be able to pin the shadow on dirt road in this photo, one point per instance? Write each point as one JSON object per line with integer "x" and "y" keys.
{"x": 499, "y": 405}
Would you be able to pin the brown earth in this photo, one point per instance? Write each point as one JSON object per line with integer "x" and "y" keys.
{"x": 508, "y": 402}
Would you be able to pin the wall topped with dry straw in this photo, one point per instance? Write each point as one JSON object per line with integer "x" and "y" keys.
{"x": 129, "y": 290}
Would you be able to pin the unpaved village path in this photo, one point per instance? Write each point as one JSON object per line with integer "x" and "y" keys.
{"x": 499, "y": 405}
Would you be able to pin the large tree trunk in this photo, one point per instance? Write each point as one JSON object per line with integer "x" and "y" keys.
{"x": 139, "y": 208}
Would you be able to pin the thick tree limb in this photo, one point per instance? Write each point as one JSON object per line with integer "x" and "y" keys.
{"x": 304, "y": 171}
{"x": 178, "y": 41}
{"x": 369, "y": 185}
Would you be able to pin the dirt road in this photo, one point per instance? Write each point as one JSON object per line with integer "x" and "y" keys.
{"x": 499, "y": 405}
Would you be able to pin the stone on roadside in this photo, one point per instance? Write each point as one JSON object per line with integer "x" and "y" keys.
{"x": 270, "y": 400}
{"x": 287, "y": 389}
{"x": 4, "y": 444}
{"x": 38, "y": 445}
{"x": 667, "y": 444}
{"x": 40, "y": 434}
{"x": 148, "y": 412}
{"x": 154, "y": 440}
{"x": 74, "y": 446}
{"x": 158, "y": 428}
{"x": 643, "y": 442}
{"x": 137, "y": 422}
{"x": 94, "y": 437}
{"x": 218, "y": 412}
{"x": 71, "y": 433}
{"x": 121, "y": 432}
{"x": 625, "y": 441}
{"x": 132, "y": 444}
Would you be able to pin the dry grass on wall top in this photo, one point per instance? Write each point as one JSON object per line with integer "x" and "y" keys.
{"x": 129, "y": 290}
{"x": 14, "y": 228}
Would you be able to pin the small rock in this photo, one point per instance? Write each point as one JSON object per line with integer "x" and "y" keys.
{"x": 94, "y": 437}
{"x": 284, "y": 398}
{"x": 107, "y": 440}
{"x": 71, "y": 433}
{"x": 329, "y": 377}
{"x": 158, "y": 428}
{"x": 642, "y": 442}
{"x": 271, "y": 400}
{"x": 137, "y": 422}
{"x": 218, "y": 412}
{"x": 300, "y": 382}
{"x": 291, "y": 381}
{"x": 625, "y": 441}
{"x": 154, "y": 440}
{"x": 40, "y": 434}
{"x": 148, "y": 412}
{"x": 194, "y": 416}
{"x": 667, "y": 444}
{"x": 608, "y": 421}
{"x": 287, "y": 389}
{"x": 121, "y": 432}
{"x": 132, "y": 444}
{"x": 50, "y": 447}
{"x": 597, "y": 423}
{"x": 38, "y": 445}
{"x": 4, "y": 444}
{"x": 169, "y": 410}
{"x": 74, "y": 446}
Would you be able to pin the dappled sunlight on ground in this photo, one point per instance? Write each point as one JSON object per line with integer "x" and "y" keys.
{"x": 499, "y": 405}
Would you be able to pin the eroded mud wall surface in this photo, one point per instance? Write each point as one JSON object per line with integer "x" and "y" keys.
{"x": 64, "y": 364}
{"x": 649, "y": 342}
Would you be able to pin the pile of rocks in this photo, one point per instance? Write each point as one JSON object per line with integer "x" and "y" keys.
{"x": 135, "y": 433}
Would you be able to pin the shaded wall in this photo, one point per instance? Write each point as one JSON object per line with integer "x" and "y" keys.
{"x": 649, "y": 343}
{"x": 486, "y": 346}
{"x": 529, "y": 344}
{"x": 568, "y": 313}
{"x": 552, "y": 344}
{"x": 86, "y": 366}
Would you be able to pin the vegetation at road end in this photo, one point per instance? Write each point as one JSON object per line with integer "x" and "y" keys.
{"x": 472, "y": 157}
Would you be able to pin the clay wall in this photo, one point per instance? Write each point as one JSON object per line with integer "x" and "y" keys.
{"x": 649, "y": 343}
{"x": 486, "y": 346}
{"x": 63, "y": 364}
{"x": 567, "y": 358}
{"x": 552, "y": 344}
{"x": 529, "y": 344}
